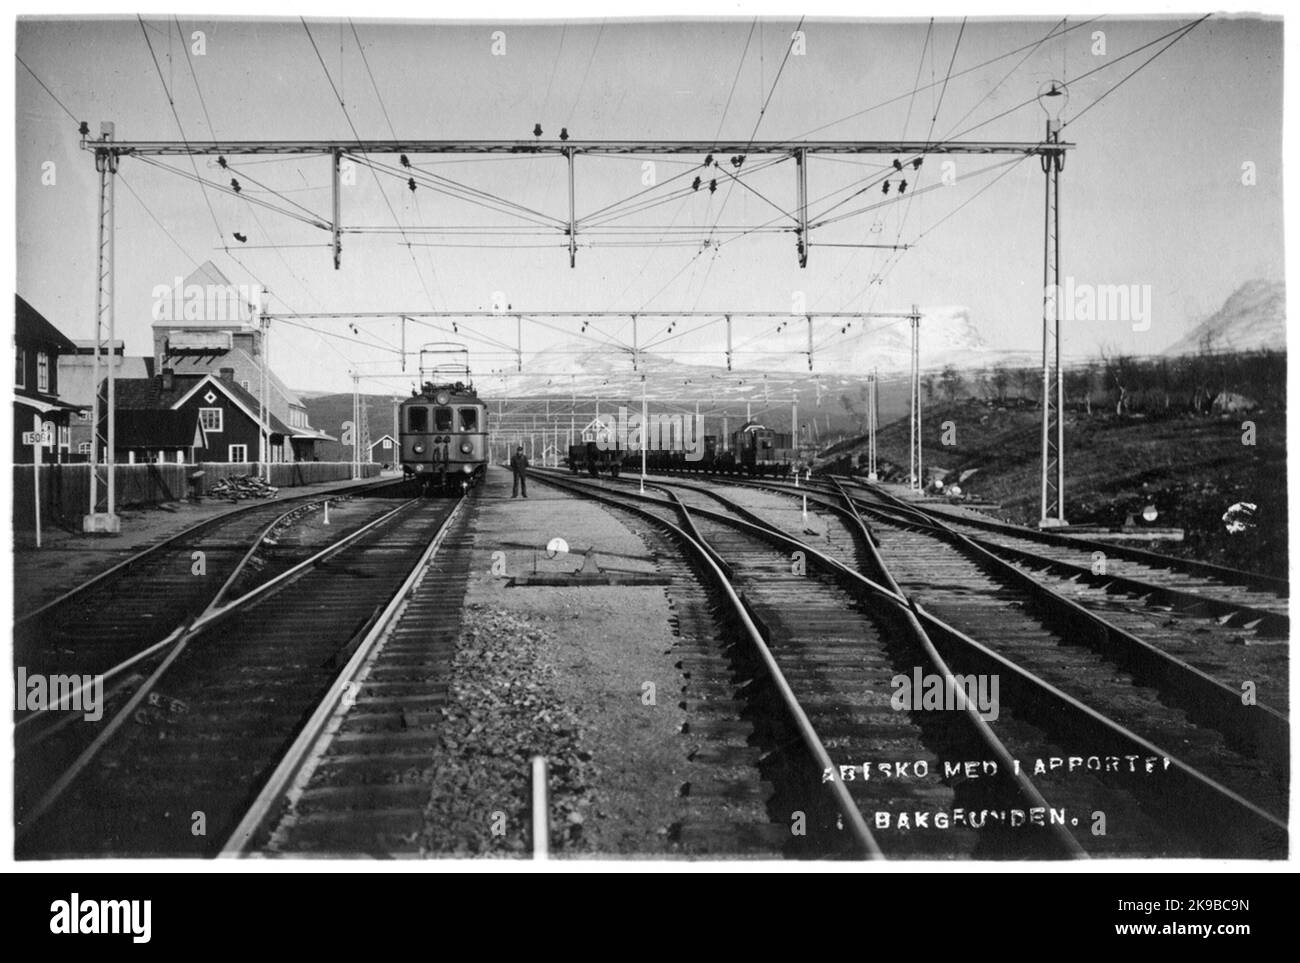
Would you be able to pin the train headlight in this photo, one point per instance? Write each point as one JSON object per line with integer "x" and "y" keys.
{"x": 441, "y": 398}
{"x": 467, "y": 468}
{"x": 418, "y": 449}
{"x": 419, "y": 466}
{"x": 466, "y": 447}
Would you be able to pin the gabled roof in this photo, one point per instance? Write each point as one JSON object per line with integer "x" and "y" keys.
{"x": 149, "y": 394}
{"x": 215, "y": 360}
{"x": 234, "y": 310}
{"x": 145, "y": 394}
{"x": 31, "y": 325}
{"x": 242, "y": 398}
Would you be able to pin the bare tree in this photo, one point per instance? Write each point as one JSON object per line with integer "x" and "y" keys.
{"x": 1119, "y": 371}
{"x": 1027, "y": 380}
{"x": 952, "y": 382}
{"x": 1078, "y": 385}
{"x": 1001, "y": 380}
{"x": 846, "y": 401}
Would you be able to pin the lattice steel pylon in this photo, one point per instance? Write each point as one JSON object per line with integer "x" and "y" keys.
{"x": 101, "y": 515}
{"x": 365, "y": 428}
{"x": 873, "y": 422}
{"x": 1053, "y": 98}
{"x": 914, "y": 481}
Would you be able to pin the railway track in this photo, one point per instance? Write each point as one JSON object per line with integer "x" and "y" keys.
{"x": 1233, "y": 788}
{"x": 141, "y": 600}
{"x": 356, "y": 779}
{"x": 1217, "y": 627}
{"x": 196, "y": 730}
{"x": 1193, "y": 664}
{"x": 1241, "y": 598}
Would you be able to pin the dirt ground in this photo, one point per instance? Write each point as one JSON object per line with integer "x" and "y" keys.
{"x": 600, "y": 653}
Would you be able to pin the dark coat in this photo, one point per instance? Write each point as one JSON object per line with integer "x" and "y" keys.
{"x": 519, "y": 463}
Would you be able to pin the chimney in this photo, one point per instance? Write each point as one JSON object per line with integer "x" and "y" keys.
{"x": 168, "y": 381}
{"x": 227, "y": 374}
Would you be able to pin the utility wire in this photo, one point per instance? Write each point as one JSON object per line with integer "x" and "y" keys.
{"x": 45, "y": 87}
{"x": 960, "y": 73}
{"x": 382, "y": 193}
{"x": 762, "y": 112}
{"x": 1128, "y": 76}
{"x": 171, "y": 103}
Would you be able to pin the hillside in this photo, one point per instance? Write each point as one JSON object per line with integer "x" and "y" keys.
{"x": 331, "y": 411}
{"x": 1252, "y": 319}
{"x": 1191, "y": 467}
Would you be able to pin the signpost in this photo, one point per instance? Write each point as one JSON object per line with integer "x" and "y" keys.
{"x": 42, "y": 437}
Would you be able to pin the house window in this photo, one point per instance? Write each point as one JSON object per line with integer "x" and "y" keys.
{"x": 244, "y": 385}
{"x": 238, "y": 453}
{"x": 20, "y": 372}
{"x": 42, "y": 371}
{"x": 210, "y": 419}
{"x": 83, "y": 448}
{"x": 65, "y": 437}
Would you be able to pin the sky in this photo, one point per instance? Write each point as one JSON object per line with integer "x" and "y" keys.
{"x": 1152, "y": 195}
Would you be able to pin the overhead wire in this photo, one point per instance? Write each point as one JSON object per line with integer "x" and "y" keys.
{"x": 717, "y": 134}
{"x": 46, "y": 88}
{"x": 382, "y": 193}
{"x": 762, "y": 113}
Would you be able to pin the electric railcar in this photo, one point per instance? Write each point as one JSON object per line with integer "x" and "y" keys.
{"x": 443, "y": 432}
{"x": 442, "y": 427}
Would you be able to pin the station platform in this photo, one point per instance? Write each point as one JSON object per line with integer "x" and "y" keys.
{"x": 604, "y": 642}
{"x": 523, "y": 528}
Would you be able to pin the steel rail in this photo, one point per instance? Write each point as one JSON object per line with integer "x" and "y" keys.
{"x": 849, "y": 810}
{"x": 1229, "y": 808}
{"x": 179, "y": 642}
{"x": 212, "y": 521}
{"x": 1260, "y": 726}
{"x": 313, "y": 737}
{"x": 1223, "y": 573}
{"x": 1020, "y": 782}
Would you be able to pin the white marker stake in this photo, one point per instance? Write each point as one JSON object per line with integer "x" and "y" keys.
{"x": 327, "y": 511}
{"x": 541, "y": 821}
{"x": 805, "y": 509}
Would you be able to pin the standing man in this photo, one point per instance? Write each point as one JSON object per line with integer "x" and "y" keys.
{"x": 519, "y": 465}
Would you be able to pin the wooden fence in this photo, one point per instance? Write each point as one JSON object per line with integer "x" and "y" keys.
{"x": 65, "y": 489}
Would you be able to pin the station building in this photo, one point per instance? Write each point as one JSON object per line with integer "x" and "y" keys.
{"x": 38, "y": 346}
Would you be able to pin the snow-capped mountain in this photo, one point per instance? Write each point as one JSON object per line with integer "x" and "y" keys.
{"x": 1253, "y": 318}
